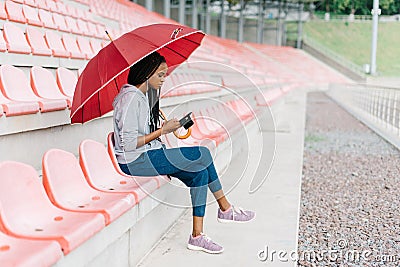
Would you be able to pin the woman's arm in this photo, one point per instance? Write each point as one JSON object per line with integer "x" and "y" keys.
{"x": 168, "y": 127}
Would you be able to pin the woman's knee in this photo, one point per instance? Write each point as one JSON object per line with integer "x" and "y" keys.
{"x": 205, "y": 154}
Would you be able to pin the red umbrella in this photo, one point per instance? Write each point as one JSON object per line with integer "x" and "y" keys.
{"x": 105, "y": 73}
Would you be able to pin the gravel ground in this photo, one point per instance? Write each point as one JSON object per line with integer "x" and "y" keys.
{"x": 349, "y": 210}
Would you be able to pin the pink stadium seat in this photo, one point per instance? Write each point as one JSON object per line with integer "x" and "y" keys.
{"x": 59, "y": 20}
{"x": 52, "y": 6}
{"x": 72, "y": 46}
{"x": 31, "y": 15}
{"x": 96, "y": 45}
{"x": 19, "y": 1}
{"x": 31, "y": 3}
{"x": 72, "y": 25}
{"x": 54, "y": 42}
{"x": 14, "y": 108}
{"x": 268, "y": 97}
{"x": 93, "y": 30}
{"x": 3, "y": 44}
{"x": 68, "y": 189}
{"x": 28, "y": 213}
{"x": 15, "y": 86}
{"x": 44, "y": 85}
{"x": 83, "y": 27}
{"x": 101, "y": 174}
{"x": 14, "y": 11}
{"x": 42, "y": 4}
{"x": 15, "y": 38}
{"x": 66, "y": 81}
{"x": 3, "y": 13}
{"x": 23, "y": 252}
{"x": 47, "y": 19}
{"x": 72, "y": 11}
{"x": 37, "y": 42}
{"x": 61, "y": 8}
{"x": 84, "y": 46}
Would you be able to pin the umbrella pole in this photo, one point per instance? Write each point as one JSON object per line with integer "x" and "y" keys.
{"x": 108, "y": 35}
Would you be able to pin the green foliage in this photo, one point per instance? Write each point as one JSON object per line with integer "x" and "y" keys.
{"x": 359, "y": 7}
{"x": 353, "y": 41}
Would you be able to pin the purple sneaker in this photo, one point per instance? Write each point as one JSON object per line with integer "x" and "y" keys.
{"x": 204, "y": 243}
{"x": 234, "y": 214}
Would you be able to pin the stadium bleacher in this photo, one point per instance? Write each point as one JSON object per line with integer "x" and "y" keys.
{"x": 44, "y": 45}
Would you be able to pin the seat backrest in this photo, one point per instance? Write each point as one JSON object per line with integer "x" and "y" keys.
{"x": 70, "y": 44}
{"x": 36, "y": 40}
{"x": 44, "y": 84}
{"x": 31, "y": 14}
{"x": 95, "y": 161}
{"x": 15, "y": 36}
{"x": 66, "y": 81}
{"x": 15, "y": 85}
{"x": 96, "y": 45}
{"x": 111, "y": 152}
{"x": 3, "y": 44}
{"x": 60, "y": 21}
{"x": 54, "y": 41}
{"x": 20, "y": 192}
{"x": 3, "y": 13}
{"x": 46, "y": 17}
{"x": 61, "y": 174}
{"x": 14, "y": 11}
{"x": 84, "y": 46}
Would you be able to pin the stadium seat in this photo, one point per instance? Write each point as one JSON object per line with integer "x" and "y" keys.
{"x": 72, "y": 46}
{"x": 47, "y": 19}
{"x": 268, "y": 97}
{"x": 31, "y": 15}
{"x": 85, "y": 47}
{"x": 15, "y": 108}
{"x": 61, "y": 8}
{"x": 14, "y": 12}
{"x": 28, "y": 213}
{"x": 83, "y": 27}
{"x": 37, "y": 42}
{"x": 3, "y": 44}
{"x": 23, "y": 252}
{"x": 15, "y": 38}
{"x": 42, "y": 4}
{"x": 3, "y": 13}
{"x": 31, "y": 3}
{"x": 72, "y": 25}
{"x": 52, "y": 6}
{"x": 93, "y": 30}
{"x": 68, "y": 189}
{"x": 15, "y": 86}
{"x": 44, "y": 85}
{"x": 96, "y": 45}
{"x": 66, "y": 81}
{"x": 54, "y": 42}
{"x": 59, "y": 20}
{"x": 101, "y": 174}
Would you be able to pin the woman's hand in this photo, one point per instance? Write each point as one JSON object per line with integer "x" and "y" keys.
{"x": 170, "y": 126}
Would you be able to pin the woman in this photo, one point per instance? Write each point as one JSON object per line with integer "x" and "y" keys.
{"x": 140, "y": 152}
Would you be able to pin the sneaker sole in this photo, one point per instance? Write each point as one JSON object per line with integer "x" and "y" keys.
{"x": 196, "y": 248}
{"x": 232, "y": 221}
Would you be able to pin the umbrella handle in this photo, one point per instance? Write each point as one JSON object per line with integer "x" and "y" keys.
{"x": 188, "y": 133}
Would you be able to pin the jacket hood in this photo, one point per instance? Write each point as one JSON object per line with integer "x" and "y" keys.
{"x": 125, "y": 89}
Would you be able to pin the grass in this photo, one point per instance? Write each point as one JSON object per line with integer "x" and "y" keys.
{"x": 312, "y": 138}
{"x": 353, "y": 41}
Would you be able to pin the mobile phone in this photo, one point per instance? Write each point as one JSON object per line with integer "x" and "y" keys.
{"x": 186, "y": 121}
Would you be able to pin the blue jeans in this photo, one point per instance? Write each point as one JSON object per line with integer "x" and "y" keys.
{"x": 192, "y": 165}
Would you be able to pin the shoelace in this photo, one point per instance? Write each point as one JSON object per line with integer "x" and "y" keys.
{"x": 208, "y": 239}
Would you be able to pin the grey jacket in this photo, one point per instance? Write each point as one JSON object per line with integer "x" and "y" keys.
{"x": 131, "y": 119}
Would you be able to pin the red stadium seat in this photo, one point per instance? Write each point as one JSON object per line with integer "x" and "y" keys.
{"x": 84, "y": 46}
{"x": 72, "y": 46}
{"x": 101, "y": 174}
{"x": 54, "y": 42}
{"x": 66, "y": 81}
{"x": 37, "y": 42}
{"x": 31, "y": 15}
{"x": 44, "y": 85}
{"x": 47, "y": 19}
{"x": 14, "y": 11}
{"x": 23, "y": 252}
{"x": 15, "y": 86}
{"x": 68, "y": 189}
{"x": 15, "y": 38}
{"x": 28, "y": 213}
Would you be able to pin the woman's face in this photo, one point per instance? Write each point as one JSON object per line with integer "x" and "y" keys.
{"x": 158, "y": 78}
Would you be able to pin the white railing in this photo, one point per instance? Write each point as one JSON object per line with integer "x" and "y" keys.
{"x": 376, "y": 106}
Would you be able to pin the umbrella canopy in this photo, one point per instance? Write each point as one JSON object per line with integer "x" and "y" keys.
{"x": 105, "y": 73}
